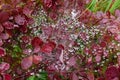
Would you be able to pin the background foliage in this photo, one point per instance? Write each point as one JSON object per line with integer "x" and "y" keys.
{"x": 59, "y": 40}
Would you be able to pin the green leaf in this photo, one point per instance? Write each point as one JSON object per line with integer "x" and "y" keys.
{"x": 115, "y": 5}
{"x": 108, "y": 6}
{"x": 17, "y": 49}
{"x": 43, "y": 75}
{"x": 32, "y": 78}
{"x": 92, "y": 5}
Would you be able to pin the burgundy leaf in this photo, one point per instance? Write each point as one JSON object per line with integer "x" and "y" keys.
{"x": 103, "y": 44}
{"x": 4, "y": 16}
{"x": 23, "y": 29}
{"x": 36, "y": 41}
{"x": 1, "y": 28}
{"x": 111, "y": 73}
{"x": 25, "y": 39}
{"x": 60, "y": 46}
{"x": 101, "y": 78}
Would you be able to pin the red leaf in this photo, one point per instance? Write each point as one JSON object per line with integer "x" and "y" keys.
{"x": 37, "y": 59}
{"x": 103, "y": 44}
{"x": 4, "y": 66}
{"x": 27, "y": 62}
{"x": 48, "y": 47}
{"x": 9, "y": 32}
{"x": 36, "y": 42}
{"x": 52, "y": 44}
{"x": 2, "y": 52}
{"x": 8, "y": 25}
{"x": 7, "y": 77}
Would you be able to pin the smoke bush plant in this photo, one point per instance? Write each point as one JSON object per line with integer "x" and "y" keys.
{"x": 58, "y": 40}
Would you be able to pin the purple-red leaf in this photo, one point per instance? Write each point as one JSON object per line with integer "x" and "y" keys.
{"x": 20, "y": 20}
{"x": 2, "y": 52}
{"x": 4, "y": 36}
{"x": 4, "y": 66}
{"x": 27, "y": 62}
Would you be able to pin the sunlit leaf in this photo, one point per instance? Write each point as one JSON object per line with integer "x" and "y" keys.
{"x": 115, "y": 5}
{"x": 108, "y": 6}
